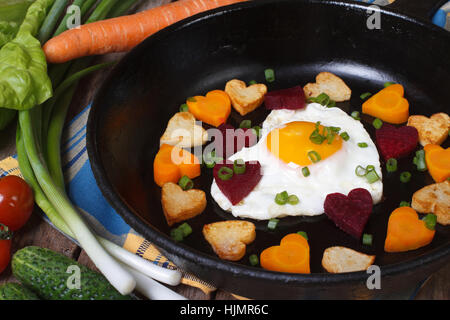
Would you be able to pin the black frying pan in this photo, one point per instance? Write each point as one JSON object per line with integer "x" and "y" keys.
{"x": 298, "y": 39}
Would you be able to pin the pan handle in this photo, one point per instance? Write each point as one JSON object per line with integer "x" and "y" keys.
{"x": 424, "y": 9}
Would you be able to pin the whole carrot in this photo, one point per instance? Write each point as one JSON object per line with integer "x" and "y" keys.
{"x": 123, "y": 33}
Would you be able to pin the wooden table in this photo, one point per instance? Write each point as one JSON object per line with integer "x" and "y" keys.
{"x": 38, "y": 233}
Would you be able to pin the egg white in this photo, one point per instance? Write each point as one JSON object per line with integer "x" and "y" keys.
{"x": 333, "y": 174}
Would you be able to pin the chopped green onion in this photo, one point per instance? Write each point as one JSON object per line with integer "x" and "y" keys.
{"x": 377, "y": 123}
{"x": 329, "y": 133}
{"x": 186, "y": 229}
{"x": 177, "y": 234}
{"x": 282, "y": 198}
{"x": 257, "y": 131}
{"x": 273, "y": 223}
{"x": 245, "y": 124}
{"x": 355, "y": 115}
{"x": 387, "y": 84}
{"x": 391, "y": 165}
{"x": 405, "y": 177}
{"x": 314, "y": 156}
{"x": 372, "y": 176}
{"x": 191, "y": 99}
{"x": 322, "y": 99}
{"x": 252, "y": 83}
{"x": 239, "y": 166}
{"x": 254, "y": 260}
{"x": 405, "y": 204}
{"x": 364, "y": 96}
{"x": 345, "y": 136}
{"x": 210, "y": 164}
{"x": 270, "y": 75}
{"x": 303, "y": 234}
{"x": 369, "y": 173}
{"x": 316, "y": 137}
{"x": 330, "y": 137}
{"x": 335, "y": 129}
{"x": 225, "y": 173}
{"x": 367, "y": 239}
{"x": 331, "y": 104}
{"x": 184, "y": 108}
{"x": 360, "y": 171}
{"x": 306, "y": 172}
{"x": 293, "y": 200}
{"x": 363, "y": 145}
{"x": 419, "y": 161}
{"x": 210, "y": 159}
{"x": 185, "y": 183}
{"x": 430, "y": 221}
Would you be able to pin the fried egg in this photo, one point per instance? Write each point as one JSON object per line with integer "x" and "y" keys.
{"x": 285, "y": 148}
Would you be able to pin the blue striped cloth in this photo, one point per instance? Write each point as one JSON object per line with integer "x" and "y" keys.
{"x": 82, "y": 187}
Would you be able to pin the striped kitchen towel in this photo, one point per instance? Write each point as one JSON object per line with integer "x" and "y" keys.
{"x": 85, "y": 194}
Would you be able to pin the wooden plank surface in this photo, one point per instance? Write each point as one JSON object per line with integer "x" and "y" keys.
{"x": 37, "y": 232}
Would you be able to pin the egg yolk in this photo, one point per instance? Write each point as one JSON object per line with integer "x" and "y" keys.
{"x": 292, "y": 143}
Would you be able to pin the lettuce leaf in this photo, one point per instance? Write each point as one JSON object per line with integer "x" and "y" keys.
{"x": 8, "y": 31}
{"x": 24, "y": 82}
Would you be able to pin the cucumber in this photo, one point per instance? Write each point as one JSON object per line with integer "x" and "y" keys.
{"x": 15, "y": 291}
{"x": 46, "y": 273}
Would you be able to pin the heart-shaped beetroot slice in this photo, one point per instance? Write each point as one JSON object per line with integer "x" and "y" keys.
{"x": 350, "y": 213}
{"x": 396, "y": 142}
{"x": 292, "y": 98}
{"x": 233, "y": 140}
{"x": 240, "y": 185}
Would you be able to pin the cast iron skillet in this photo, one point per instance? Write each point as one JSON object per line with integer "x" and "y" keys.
{"x": 297, "y": 38}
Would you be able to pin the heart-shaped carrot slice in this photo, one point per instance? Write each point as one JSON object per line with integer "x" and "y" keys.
{"x": 171, "y": 163}
{"x": 406, "y": 231}
{"x": 438, "y": 162}
{"x": 292, "y": 255}
{"x": 213, "y": 109}
{"x": 389, "y": 105}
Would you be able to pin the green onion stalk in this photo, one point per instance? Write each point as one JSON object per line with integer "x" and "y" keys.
{"x": 116, "y": 275}
{"x": 49, "y": 192}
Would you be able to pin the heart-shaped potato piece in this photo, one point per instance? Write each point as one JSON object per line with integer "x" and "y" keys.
{"x": 433, "y": 130}
{"x": 183, "y": 132}
{"x": 245, "y": 99}
{"x": 406, "y": 231}
{"x": 330, "y": 84}
{"x": 179, "y": 205}
{"x": 434, "y": 199}
{"x": 341, "y": 259}
{"x": 229, "y": 239}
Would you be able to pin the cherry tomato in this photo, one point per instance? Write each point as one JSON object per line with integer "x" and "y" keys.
{"x": 5, "y": 247}
{"x": 16, "y": 202}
